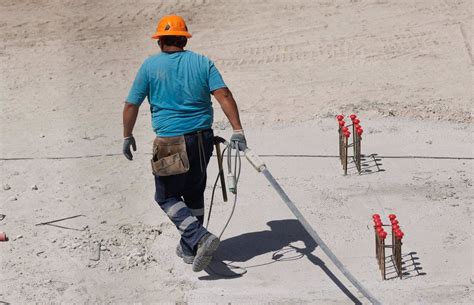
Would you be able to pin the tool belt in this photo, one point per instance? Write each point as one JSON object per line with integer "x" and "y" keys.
{"x": 169, "y": 156}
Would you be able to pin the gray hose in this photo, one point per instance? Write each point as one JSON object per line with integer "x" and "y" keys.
{"x": 316, "y": 237}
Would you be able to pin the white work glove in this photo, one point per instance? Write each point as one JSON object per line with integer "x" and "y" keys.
{"x": 238, "y": 141}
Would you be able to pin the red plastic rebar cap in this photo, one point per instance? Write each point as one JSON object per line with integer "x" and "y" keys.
{"x": 347, "y": 134}
{"x": 353, "y": 116}
{"x": 356, "y": 121}
{"x": 360, "y": 131}
{"x": 394, "y": 222}
{"x": 383, "y": 235}
{"x": 342, "y": 123}
{"x": 392, "y": 216}
{"x": 345, "y": 129}
{"x": 376, "y": 216}
{"x": 340, "y": 117}
{"x": 356, "y": 126}
{"x": 379, "y": 229}
{"x": 399, "y": 235}
{"x": 395, "y": 228}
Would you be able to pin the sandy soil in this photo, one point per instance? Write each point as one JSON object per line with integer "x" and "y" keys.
{"x": 404, "y": 66}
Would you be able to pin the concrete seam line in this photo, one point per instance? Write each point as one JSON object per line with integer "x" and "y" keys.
{"x": 268, "y": 156}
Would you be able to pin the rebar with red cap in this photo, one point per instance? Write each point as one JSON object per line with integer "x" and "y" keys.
{"x": 382, "y": 235}
{"x": 341, "y": 123}
{"x": 356, "y": 141}
{"x": 397, "y": 236}
{"x": 347, "y": 135}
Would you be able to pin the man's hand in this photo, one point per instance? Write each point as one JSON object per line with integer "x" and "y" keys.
{"x": 127, "y": 142}
{"x": 130, "y": 113}
{"x": 238, "y": 141}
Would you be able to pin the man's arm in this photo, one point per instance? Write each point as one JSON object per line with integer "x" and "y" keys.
{"x": 229, "y": 106}
{"x": 130, "y": 113}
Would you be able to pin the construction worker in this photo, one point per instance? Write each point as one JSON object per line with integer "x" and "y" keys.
{"x": 178, "y": 84}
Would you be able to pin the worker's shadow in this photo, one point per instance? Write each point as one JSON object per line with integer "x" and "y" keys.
{"x": 278, "y": 240}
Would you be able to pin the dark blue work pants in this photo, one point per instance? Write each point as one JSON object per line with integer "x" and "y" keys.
{"x": 181, "y": 196}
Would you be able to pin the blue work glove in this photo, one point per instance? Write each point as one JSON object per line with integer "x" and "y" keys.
{"x": 238, "y": 141}
{"x": 127, "y": 142}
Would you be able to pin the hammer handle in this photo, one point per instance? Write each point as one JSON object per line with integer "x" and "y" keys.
{"x": 221, "y": 171}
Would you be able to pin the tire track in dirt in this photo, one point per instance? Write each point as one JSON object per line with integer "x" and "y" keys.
{"x": 400, "y": 44}
{"x": 466, "y": 41}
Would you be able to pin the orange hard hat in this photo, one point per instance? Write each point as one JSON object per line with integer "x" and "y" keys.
{"x": 171, "y": 25}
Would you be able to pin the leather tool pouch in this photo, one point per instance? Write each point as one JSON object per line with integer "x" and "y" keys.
{"x": 169, "y": 156}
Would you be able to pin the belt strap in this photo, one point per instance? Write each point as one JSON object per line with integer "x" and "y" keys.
{"x": 196, "y": 132}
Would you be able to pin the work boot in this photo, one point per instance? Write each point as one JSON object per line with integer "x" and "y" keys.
{"x": 205, "y": 248}
{"x": 188, "y": 259}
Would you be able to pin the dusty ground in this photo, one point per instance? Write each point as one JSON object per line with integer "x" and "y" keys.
{"x": 404, "y": 66}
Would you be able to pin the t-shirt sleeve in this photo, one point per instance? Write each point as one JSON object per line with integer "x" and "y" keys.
{"x": 215, "y": 78}
{"x": 140, "y": 87}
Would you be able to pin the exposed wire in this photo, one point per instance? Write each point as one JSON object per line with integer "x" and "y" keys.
{"x": 237, "y": 169}
{"x": 213, "y": 192}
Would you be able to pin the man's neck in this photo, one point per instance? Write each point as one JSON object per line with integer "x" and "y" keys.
{"x": 171, "y": 49}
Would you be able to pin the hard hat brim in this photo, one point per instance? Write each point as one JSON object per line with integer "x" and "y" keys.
{"x": 157, "y": 35}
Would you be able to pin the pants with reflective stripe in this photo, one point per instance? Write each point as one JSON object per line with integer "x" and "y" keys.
{"x": 181, "y": 197}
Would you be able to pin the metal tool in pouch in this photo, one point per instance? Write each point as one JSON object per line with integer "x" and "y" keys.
{"x": 169, "y": 156}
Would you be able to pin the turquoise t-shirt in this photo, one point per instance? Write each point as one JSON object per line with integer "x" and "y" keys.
{"x": 178, "y": 87}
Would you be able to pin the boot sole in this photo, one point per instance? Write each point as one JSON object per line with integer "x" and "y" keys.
{"x": 204, "y": 255}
